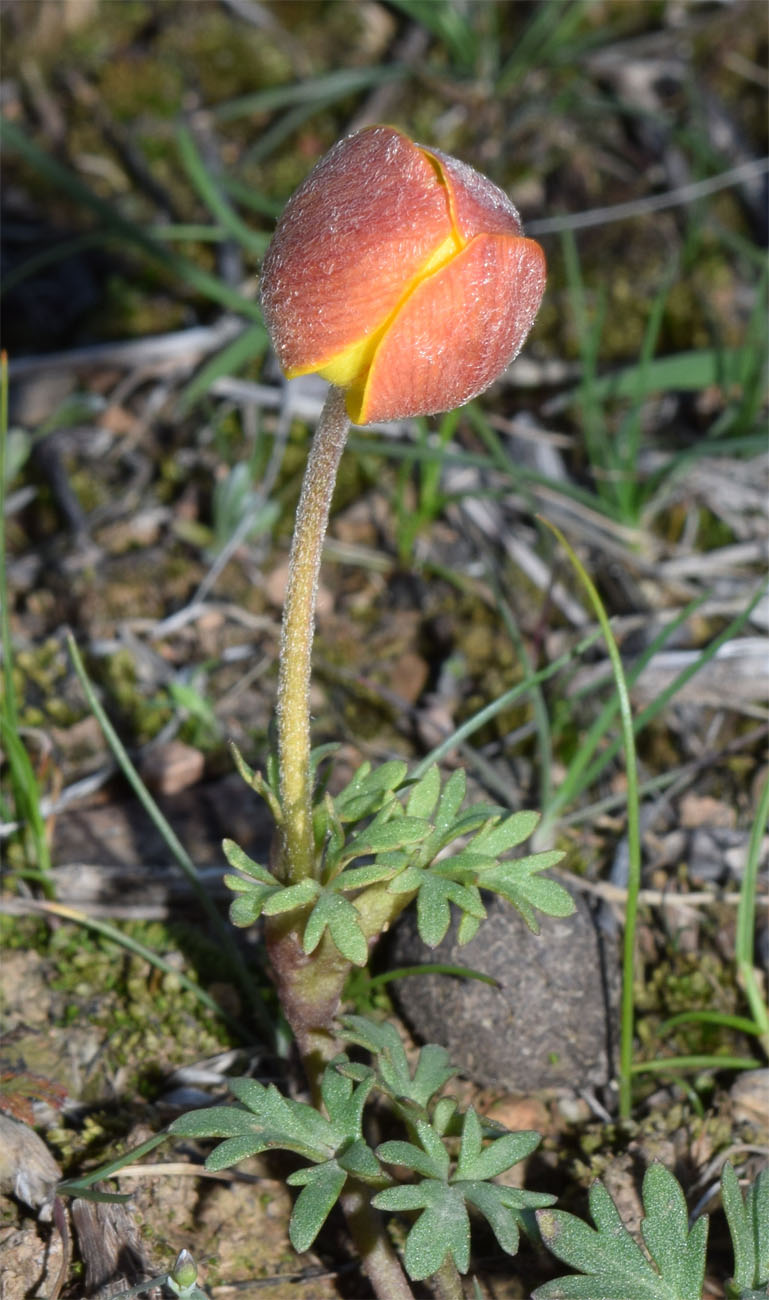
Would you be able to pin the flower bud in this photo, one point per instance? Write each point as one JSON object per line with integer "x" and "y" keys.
{"x": 401, "y": 275}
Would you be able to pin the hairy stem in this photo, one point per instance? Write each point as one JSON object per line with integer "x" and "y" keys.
{"x": 447, "y": 1282}
{"x": 382, "y": 1265}
{"x": 309, "y": 987}
{"x": 293, "y": 707}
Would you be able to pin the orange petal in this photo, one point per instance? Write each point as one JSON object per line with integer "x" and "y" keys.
{"x": 350, "y": 240}
{"x": 478, "y": 206}
{"x": 456, "y": 333}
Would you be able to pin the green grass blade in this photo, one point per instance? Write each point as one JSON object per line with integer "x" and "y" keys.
{"x": 333, "y": 86}
{"x": 627, "y": 1015}
{"x": 551, "y": 32}
{"x": 191, "y": 232}
{"x": 447, "y": 23}
{"x": 75, "y": 1186}
{"x": 685, "y": 372}
{"x": 700, "y": 1062}
{"x": 660, "y": 702}
{"x": 10, "y": 711}
{"x": 26, "y": 799}
{"x": 432, "y": 968}
{"x": 580, "y": 776}
{"x": 141, "y": 950}
{"x": 250, "y": 197}
{"x": 720, "y": 1018}
{"x": 628, "y": 436}
{"x": 25, "y": 789}
{"x": 490, "y": 711}
{"x": 176, "y": 848}
{"x": 254, "y": 241}
{"x": 247, "y": 346}
{"x": 746, "y": 918}
{"x": 173, "y": 263}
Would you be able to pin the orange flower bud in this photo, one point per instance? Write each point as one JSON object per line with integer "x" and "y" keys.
{"x": 400, "y": 275}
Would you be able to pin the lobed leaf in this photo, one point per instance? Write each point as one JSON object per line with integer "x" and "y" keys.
{"x": 213, "y": 1121}
{"x": 616, "y": 1267}
{"x": 748, "y": 1221}
{"x": 359, "y": 1159}
{"x": 246, "y": 909}
{"x": 442, "y": 1229}
{"x": 503, "y": 1221}
{"x": 433, "y": 911}
{"x": 322, "y": 1186}
{"x": 365, "y": 792}
{"x": 383, "y": 837}
{"x": 359, "y": 877}
{"x": 233, "y": 1150}
{"x": 678, "y": 1254}
{"x": 242, "y": 862}
{"x": 424, "y": 795}
{"x": 343, "y": 921}
{"x": 494, "y": 840}
{"x": 478, "y": 1163}
{"x": 518, "y": 881}
{"x": 291, "y": 897}
{"x": 451, "y": 800}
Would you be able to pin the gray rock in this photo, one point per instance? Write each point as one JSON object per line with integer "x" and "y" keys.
{"x": 549, "y": 1022}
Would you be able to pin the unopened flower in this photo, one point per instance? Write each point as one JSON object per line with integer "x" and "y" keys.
{"x": 401, "y": 275}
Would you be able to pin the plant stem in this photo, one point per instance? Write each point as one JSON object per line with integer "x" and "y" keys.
{"x": 378, "y": 1258}
{"x": 293, "y": 705}
{"x": 447, "y": 1282}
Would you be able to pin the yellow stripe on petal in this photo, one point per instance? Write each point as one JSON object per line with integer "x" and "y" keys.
{"x": 349, "y": 368}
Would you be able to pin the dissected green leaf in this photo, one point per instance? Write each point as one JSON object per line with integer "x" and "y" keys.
{"x": 432, "y": 1070}
{"x": 507, "y": 834}
{"x": 366, "y": 791}
{"x": 678, "y": 1253}
{"x": 359, "y": 1159}
{"x": 488, "y": 1199}
{"x": 615, "y": 1265}
{"x": 291, "y": 897}
{"x": 433, "y": 911}
{"x": 247, "y": 909}
{"x": 322, "y": 1186}
{"x": 213, "y": 1121}
{"x": 477, "y": 1162}
{"x": 451, "y": 800}
{"x": 268, "y": 1120}
{"x": 233, "y": 1150}
{"x": 359, "y": 877}
{"x": 431, "y": 1159}
{"x": 519, "y": 882}
{"x": 242, "y": 862}
{"x": 442, "y": 1229}
{"x": 267, "y": 787}
{"x": 748, "y": 1221}
{"x": 383, "y": 836}
{"x": 424, "y": 795}
{"x": 344, "y": 925}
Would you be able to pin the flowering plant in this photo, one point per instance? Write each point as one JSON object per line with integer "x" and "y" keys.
{"x": 403, "y": 277}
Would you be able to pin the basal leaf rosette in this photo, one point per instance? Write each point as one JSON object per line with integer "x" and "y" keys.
{"x": 402, "y": 276}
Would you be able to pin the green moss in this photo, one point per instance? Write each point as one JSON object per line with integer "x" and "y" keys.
{"x": 42, "y": 680}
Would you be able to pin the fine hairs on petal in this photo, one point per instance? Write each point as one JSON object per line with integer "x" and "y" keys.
{"x": 402, "y": 276}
